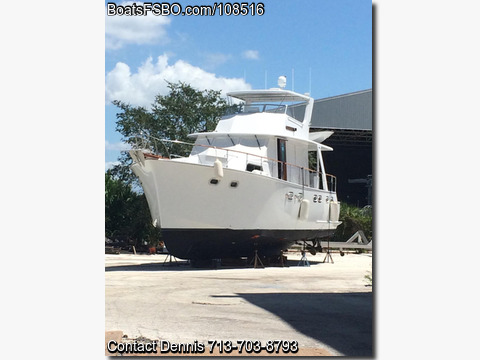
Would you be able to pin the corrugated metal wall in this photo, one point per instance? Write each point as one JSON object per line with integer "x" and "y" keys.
{"x": 349, "y": 111}
{"x": 350, "y": 117}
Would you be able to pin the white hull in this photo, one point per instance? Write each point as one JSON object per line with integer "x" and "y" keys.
{"x": 183, "y": 201}
{"x": 180, "y": 195}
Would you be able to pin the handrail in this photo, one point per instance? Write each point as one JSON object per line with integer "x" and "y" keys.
{"x": 331, "y": 179}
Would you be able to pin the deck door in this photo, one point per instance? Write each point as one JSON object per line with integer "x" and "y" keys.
{"x": 282, "y": 158}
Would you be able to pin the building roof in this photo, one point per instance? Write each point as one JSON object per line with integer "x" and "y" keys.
{"x": 351, "y": 111}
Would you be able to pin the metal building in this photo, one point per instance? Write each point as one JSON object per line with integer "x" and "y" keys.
{"x": 350, "y": 117}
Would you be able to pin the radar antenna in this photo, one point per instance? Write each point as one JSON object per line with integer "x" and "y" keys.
{"x": 282, "y": 81}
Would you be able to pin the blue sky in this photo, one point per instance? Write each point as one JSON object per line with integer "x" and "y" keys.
{"x": 426, "y": 113}
{"x": 329, "y": 39}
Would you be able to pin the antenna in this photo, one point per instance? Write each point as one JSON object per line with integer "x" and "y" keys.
{"x": 293, "y": 79}
{"x": 310, "y": 81}
{"x": 265, "y": 79}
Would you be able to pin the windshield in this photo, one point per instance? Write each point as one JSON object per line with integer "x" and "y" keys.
{"x": 270, "y": 108}
{"x": 293, "y": 111}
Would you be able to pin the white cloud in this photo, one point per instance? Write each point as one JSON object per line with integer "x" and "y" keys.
{"x": 251, "y": 54}
{"x": 111, "y": 164}
{"x": 216, "y": 59}
{"x": 124, "y": 30}
{"x": 119, "y": 146}
{"x": 140, "y": 88}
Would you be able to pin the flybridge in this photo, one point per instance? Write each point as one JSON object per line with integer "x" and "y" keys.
{"x": 275, "y": 95}
{"x": 261, "y": 110}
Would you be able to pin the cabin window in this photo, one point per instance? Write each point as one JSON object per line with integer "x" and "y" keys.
{"x": 296, "y": 112}
{"x": 282, "y": 158}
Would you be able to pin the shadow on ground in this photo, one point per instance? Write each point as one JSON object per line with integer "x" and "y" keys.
{"x": 185, "y": 266}
{"x": 154, "y": 266}
{"x": 342, "y": 321}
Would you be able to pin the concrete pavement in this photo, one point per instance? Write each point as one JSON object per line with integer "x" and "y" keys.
{"x": 325, "y": 306}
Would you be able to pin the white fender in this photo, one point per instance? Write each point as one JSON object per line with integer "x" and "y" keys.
{"x": 334, "y": 212}
{"x": 218, "y": 169}
{"x": 304, "y": 209}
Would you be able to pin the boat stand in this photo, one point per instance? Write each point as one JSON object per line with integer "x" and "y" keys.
{"x": 256, "y": 260}
{"x": 328, "y": 256}
{"x": 282, "y": 260}
{"x": 170, "y": 263}
{"x": 303, "y": 261}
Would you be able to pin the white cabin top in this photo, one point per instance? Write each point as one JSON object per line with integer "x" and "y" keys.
{"x": 269, "y": 113}
{"x": 269, "y": 137}
{"x": 276, "y": 95}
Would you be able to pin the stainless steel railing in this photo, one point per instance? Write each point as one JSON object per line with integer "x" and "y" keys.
{"x": 253, "y": 162}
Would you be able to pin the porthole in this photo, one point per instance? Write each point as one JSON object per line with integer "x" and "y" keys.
{"x": 234, "y": 184}
{"x": 214, "y": 181}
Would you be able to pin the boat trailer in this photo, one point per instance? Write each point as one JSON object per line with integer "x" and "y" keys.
{"x": 357, "y": 241}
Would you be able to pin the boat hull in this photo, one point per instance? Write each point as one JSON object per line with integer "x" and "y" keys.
{"x": 199, "y": 244}
{"x": 202, "y": 215}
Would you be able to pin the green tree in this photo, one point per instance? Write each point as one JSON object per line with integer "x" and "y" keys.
{"x": 126, "y": 213}
{"x": 183, "y": 111}
{"x": 118, "y": 200}
{"x": 353, "y": 219}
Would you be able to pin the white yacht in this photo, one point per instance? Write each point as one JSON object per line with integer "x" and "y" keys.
{"x": 256, "y": 183}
